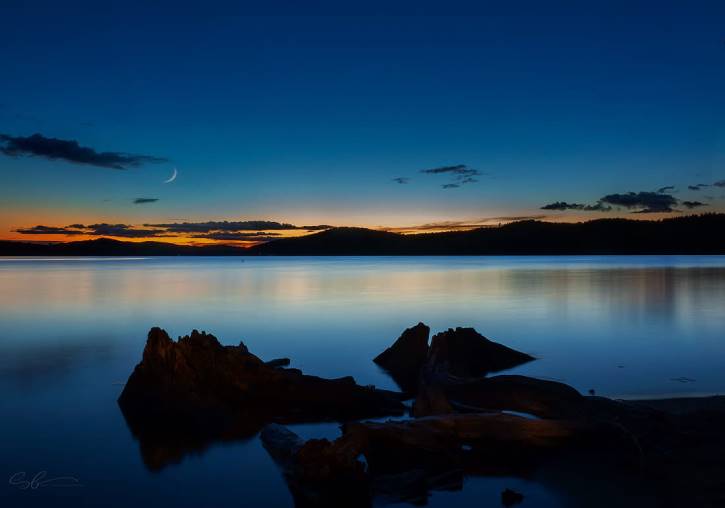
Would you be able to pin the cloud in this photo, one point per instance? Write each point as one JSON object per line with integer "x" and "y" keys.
{"x": 122, "y": 230}
{"x": 458, "y": 169}
{"x": 38, "y": 145}
{"x": 563, "y": 205}
{"x": 697, "y": 187}
{"x": 206, "y": 227}
{"x": 50, "y": 230}
{"x": 719, "y": 183}
{"x": 460, "y": 175}
{"x": 259, "y": 236}
{"x": 401, "y": 180}
{"x": 648, "y": 202}
{"x": 141, "y": 201}
{"x": 638, "y": 202}
{"x": 666, "y": 190}
{"x": 102, "y": 229}
{"x": 214, "y": 230}
{"x": 597, "y": 207}
{"x": 693, "y": 204}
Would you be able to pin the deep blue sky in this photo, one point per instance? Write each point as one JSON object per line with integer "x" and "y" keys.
{"x": 306, "y": 114}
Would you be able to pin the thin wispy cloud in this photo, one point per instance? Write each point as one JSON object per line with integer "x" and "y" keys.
{"x": 636, "y": 202}
{"x": 645, "y": 202}
{"x": 50, "y": 230}
{"x": 101, "y": 229}
{"x": 459, "y": 174}
{"x": 71, "y": 151}
{"x": 141, "y": 201}
{"x": 210, "y": 230}
{"x": 123, "y": 230}
{"x": 206, "y": 227}
{"x": 258, "y": 236}
{"x": 693, "y": 204}
{"x": 563, "y": 205}
{"x": 402, "y": 180}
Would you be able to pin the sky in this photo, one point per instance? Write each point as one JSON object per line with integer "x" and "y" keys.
{"x": 443, "y": 115}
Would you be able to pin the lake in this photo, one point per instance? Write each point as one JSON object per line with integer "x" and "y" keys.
{"x": 74, "y": 328}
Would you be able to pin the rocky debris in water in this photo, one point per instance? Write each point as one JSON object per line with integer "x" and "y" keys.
{"x": 511, "y": 497}
{"x": 187, "y": 393}
{"x": 317, "y": 474}
{"x": 464, "y": 352}
{"x": 198, "y": 373}
{"x": 431, "y": 400}
{"x": 460, "y": 352}
{"x": 405, "y": 460}
{"x": 404, "y": 359}
{"x": 542, "y": 398}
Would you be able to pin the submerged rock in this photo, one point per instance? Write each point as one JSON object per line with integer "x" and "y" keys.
{"x": 460, "y": 352}
{"x": 464, "y": 352}
{"x": 197, "y": 390}
{"x": 197, "y": 373}
{"x": 185, "y": 395}
{"x": 404, "y": 359}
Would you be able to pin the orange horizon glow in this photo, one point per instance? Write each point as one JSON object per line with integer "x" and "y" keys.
{"x": 11, "y": 232}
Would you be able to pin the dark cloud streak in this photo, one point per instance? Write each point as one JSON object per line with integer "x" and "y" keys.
{"x": 50, "y": 230}
{"x": 206, "y": 227}
{"x": 563, "y": 205}
{"x": 38, "y": 145}
{"x": 649, "y": 202}
{"x": 257, "y": 236}
{"x": 693, "y": 204}
{"x": 460, "y": 174}
{"x": 101, "y": 229}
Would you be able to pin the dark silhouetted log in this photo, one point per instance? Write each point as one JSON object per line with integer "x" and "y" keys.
{"x": 403, "y": 460}
{"x": 542, "y": 398}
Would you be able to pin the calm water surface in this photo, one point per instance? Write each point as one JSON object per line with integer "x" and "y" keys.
{"x": 72, "y": 330}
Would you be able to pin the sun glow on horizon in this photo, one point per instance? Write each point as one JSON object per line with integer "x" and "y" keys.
{"x": 215, "y": 235}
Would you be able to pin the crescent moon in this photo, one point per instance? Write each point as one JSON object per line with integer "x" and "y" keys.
{"x": 173, "y": 177}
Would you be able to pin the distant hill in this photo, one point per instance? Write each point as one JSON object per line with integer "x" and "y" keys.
{"x": 696, "y": 234}
{"x": 701, "y": 234}
{"x": 109, "y": 247}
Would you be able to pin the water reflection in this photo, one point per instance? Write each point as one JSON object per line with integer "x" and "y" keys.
{"x": 630, "y": 310}
{"x": 73, "y": 330}
{"x": 26, "y": 365}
